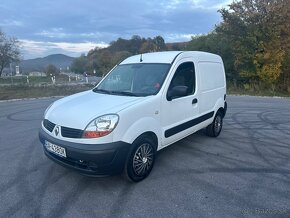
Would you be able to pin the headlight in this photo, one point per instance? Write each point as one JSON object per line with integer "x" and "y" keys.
{"x": 101, "y": 126}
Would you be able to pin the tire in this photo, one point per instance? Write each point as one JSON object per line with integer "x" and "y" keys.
{"x": 215, "y": 128}
{"x": 140, "y": 160}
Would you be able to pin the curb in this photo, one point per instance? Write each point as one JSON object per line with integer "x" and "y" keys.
{"x": 279, "y": 97}
{"x": 61, "y": 96}
{"x": 29, "y": 99}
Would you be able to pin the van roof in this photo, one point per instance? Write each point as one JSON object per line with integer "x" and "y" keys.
{"x": 169, "y": 56}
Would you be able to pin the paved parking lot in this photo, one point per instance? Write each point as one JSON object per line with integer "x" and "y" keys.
{"x": 243, "y": 173}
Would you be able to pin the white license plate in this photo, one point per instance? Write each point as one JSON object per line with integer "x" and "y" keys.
{"x": 55, "y": 149}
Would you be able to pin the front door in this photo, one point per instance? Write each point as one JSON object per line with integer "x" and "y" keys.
{"x": 178, "y": 113}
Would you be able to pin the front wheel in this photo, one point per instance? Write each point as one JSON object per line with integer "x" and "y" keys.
{"x": 215, "y": 128}
{"x": 140, "y": 160}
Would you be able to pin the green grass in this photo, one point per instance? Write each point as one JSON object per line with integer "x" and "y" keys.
{"x": 24, "y": 91}
{"x": 261, "y": 92}
{"x": 22, "y": 80}
{"x": 39, "y": 87}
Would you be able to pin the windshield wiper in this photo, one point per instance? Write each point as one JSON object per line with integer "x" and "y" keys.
{"x": 116, "y": 92}
{"x": 102, "y": 90}
{"x": 124, "y": 93}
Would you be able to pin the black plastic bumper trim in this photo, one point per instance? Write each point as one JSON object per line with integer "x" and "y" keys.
{"x": 89, "y": 159}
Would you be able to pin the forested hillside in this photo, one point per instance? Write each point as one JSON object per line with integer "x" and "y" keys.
{"x": 253, "y": 40}
{"x": 102, "y": 60}
{"x": 39, "y": 64}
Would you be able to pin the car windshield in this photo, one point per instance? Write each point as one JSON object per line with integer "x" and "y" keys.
{"x": 134, "y": 79}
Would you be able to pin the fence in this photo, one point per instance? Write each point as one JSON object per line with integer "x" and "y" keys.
{"x": 48, "y": 80}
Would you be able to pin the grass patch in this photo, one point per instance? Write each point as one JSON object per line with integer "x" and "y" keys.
{"x": 46, "y": 90}
{"x": 24, "y": 91}
{"x": 33, "y": 80}
{"x": 257, "y": 93}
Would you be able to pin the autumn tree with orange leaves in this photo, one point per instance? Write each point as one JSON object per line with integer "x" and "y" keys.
{"x": 259, "y": 33}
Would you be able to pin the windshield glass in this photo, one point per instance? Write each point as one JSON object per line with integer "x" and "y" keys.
{"x": 134, "y": 79}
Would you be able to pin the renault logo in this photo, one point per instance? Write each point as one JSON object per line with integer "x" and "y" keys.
{"x": 56, "y": 130}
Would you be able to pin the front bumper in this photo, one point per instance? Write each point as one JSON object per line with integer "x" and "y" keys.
{"x": 89, "y": 159}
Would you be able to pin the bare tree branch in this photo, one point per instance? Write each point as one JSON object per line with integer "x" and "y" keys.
{"x": 9, "y": 51}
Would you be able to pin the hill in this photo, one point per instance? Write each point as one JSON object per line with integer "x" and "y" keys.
{"x": 39, "y": 64}
{"x": 102, "y": 60}
{"x": 177, "y": 46}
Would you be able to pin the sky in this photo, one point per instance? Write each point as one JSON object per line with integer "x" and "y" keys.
{"x": 73, "y": 27}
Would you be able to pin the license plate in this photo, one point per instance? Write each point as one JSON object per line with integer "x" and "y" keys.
{"x": 55, "y": 149}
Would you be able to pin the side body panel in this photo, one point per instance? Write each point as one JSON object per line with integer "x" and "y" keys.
{"x": 212, "y": 85}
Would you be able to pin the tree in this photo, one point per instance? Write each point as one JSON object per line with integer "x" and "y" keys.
{"x": 147, "y": 46}
{"x": 51, "y": 70}
{"x": 9, "y": 51}
{"x": 153, "y": 45}
{"x": 159, "y": 43}
{"x": 258, "y": 31}
{"x": 282, "y": 25}
{"x": 79, "y": 65}
{"x": 217, "y": 44}
{"x": 135, "y": 44}
{"x": 102, "y": 60}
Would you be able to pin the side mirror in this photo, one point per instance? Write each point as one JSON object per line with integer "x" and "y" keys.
{"x": 176, "y": 92}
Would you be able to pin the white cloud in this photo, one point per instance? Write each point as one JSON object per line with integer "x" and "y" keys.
{"x": 223, "y": 4}
{"x": 74, "y": 21}
{"x": 79, "y": 47}
{"x": 32, "y": 49}
{"x": 7, "y": 22}
{"x": 53, "y": 33}
{"x": 206, "y": 4}
{"x": 91, "y": 35}
{"x": 59, "y": 33}
{"x": 170, "y": 6}
{"x": 179, "y": 37}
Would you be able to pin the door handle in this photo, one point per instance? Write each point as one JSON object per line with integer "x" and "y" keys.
{"x": 194, "y": 101}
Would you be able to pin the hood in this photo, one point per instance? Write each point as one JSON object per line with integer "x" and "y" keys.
{"x": 76, "y": 111}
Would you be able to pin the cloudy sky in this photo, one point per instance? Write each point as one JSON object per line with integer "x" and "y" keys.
{"x": 73, "y": 27}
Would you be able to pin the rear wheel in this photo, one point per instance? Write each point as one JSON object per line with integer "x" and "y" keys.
{"x": 215, "y": 128}
{"x": 140, "y": 160}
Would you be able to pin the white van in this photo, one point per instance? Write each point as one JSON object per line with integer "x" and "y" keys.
{"x": 144, "y": 104}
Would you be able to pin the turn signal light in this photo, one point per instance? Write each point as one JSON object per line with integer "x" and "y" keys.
{"x": 95, "y": 134}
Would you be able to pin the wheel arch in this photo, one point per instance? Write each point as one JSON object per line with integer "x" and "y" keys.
{"x": 220, "y": 106}
{"x": 151, "y": 135}
{"x": 222, "y": 111}
{"x": 146, "y": 126}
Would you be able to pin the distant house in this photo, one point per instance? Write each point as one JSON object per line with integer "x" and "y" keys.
{"x": 35, "y": 73}
{"x": 17, "y": 71}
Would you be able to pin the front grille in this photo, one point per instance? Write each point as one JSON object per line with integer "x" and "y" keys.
{"x": 71, "y": 133}
{"x": 48, "y": 125}
{"x": 65, "y": 131}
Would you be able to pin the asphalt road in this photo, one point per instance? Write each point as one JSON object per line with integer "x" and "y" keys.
{"x": 245, "y": 172}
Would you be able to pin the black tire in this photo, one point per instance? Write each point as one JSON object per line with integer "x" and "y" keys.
{"x": 140, "y": 160}
{"x": 215, "y": 128}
